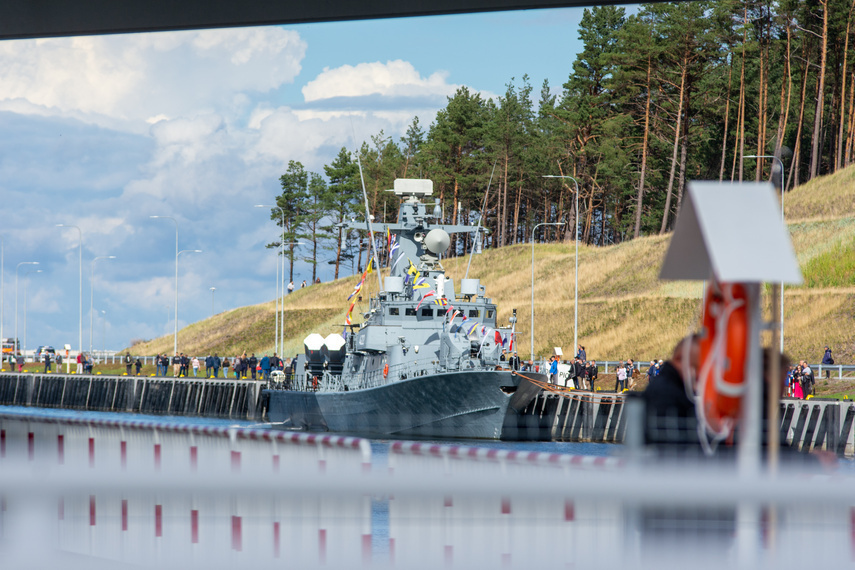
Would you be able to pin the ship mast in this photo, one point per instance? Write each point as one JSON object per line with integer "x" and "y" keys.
{"x": 370, "y": 228}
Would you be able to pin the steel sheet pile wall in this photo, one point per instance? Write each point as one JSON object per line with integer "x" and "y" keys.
{"x": 569, "y": 416}
{"x": 221, "y": 398}
{"x": 162, "y": 495}
{"x": 468, "y": 528}
{"x": 809, "y": 425}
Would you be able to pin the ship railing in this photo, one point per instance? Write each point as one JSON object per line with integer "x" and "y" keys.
{"x": 328, "y": 382}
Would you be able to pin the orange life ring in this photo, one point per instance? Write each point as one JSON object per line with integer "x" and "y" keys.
{"x": 723, "y": 352}
{"x": 386, "y": 370}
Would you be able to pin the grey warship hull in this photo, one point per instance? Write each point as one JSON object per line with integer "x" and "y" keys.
{"x": 465, "y": 404}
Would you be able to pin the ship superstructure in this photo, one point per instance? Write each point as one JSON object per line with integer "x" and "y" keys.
{"x": 427, "y": 359}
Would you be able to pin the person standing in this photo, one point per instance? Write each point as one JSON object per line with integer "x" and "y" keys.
{"x": 578, "y": 371}
{"x": 176, "y": 365}
{"x": 128, "y": 363}
{"x": 216, "y": 365}
{"x": 630, "y": 370}
{"x": 553, "y": 370}
{"x": 253, "y": 366}
{"x": 651, "y": 371}
{"x": 620, "y": 382}
{"x": 514, "y": 362}
{"x": 59, "y": 363}
{"x": 47, "y": 362}
{"x": 209, "y": 365}
{"x": 827, "y": 360}
{"x": 290, "y": 287}
{"x": 669, "y": 412}
{"x": 138, "y": 365}
{"x": 592, "y": 372}
{"x": 195, "y": 363}
{"x": 807, "y": 379}
{"x": 226, "y": 366}
{"x": 265, "y": 367}
{"x": 580, "y": 354}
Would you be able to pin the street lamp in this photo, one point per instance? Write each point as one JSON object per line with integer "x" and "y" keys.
{"x": 175, "y": 337}
{"x": 15, "y": 342}
{"x": 212, "y": 300}
{"x": 176, "y": 291}
{"x": 279, "y": 340}
{"x": 576, "y": 269}
{"x": 783, "y": 183}
{"x": 104, "y": 335}
{"x": 280, "y": 302}
{"x": 92, "y": 295}
{"x": 26, "y": 288}
{"x": 80, "y": 272}
{"x": 532, "y": 278}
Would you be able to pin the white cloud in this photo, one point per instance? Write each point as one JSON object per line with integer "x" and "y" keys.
{"x": 110, "y": 130}
{"x": 392, "y": 79}
{"x": 137, "y": 77}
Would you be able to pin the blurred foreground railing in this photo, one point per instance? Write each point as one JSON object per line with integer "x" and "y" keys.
{"x": 132, "y": 494}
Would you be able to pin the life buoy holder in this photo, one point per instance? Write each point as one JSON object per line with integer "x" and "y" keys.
{"x": 386, "y": 370}
{"x": 723, "y": 351}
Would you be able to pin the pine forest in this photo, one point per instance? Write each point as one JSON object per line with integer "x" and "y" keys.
{"x": 675, "y": 92}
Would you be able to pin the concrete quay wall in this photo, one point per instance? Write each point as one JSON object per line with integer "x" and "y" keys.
{"x": 220, "y": 398}
{"x": 807, "y": 425}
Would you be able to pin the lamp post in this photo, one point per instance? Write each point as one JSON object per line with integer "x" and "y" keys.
{"x": 576, "y": 269}
{"x": 104, "y": 334}
{"x": 280, "y": 303}
{"x": 15, "y": 342}
{"x": 783, "y": 182}
{"x": 175, "y": 336}
{"x": 176, "y": 291}
{"x": 92, "y": 295}
{"x": 532, "y": 278}
{"x": 282, "y": 320}
{"x": 212, "y": 289}
{"x": 26, "y": 288}
{"x": 80, "y": 272}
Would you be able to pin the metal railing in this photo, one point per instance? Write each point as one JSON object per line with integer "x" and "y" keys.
{"x": 325, "y": 381}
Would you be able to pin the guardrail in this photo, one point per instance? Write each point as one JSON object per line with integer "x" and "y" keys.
{"x": 838, "y": 371}
{"x": 71, "y": 503}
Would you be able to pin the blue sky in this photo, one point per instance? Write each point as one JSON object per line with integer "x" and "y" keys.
{"x": 103, "y": 132}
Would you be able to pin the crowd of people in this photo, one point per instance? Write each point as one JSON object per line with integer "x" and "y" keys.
{"x": 241, "y": 367}
{"x": 800, "y": 381}
{"x": 583, "y": 373}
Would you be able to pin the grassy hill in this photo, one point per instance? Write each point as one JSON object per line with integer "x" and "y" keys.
{"x": 625, "y": 311}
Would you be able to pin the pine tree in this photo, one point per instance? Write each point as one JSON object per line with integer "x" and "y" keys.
{"x": 292, "y": 202}
{"x": 342, "y": 200}
{"x": 315, "y": 210}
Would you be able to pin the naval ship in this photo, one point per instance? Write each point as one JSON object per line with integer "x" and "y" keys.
{"x": 427, "y": 359}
